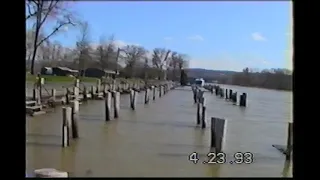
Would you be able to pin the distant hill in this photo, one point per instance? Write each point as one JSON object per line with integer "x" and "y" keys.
{"x": 205, "y": 73}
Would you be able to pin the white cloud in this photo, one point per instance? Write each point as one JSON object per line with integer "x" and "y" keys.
{"x": 195, "y": 38}
{"x": 258, "y": 37}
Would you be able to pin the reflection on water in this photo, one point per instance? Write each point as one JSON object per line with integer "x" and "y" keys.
{"x": 156, "y": 139}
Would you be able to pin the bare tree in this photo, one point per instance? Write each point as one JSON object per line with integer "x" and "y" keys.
{"x": 133, "y": 55}
{"x": 177, "y": 63}
{"x": 83, "y": 47}
{"x": 106, "y": 52}
{"x": 159, "y": 60}
{"x": 42, "y": 11}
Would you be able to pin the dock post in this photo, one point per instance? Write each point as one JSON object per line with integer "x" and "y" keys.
{"x": 76, "y": 93}
{"x": 203, "y": 113}
{"x": 287, "y": 149}
{"x": 85, "y": 93}
{"x": 92, "y": 92}
{"x": 218, "y": 131}
{"x": 198, "y": 112}
{"x": 217, "y": 89}
{"x": 53, "y": 94}
{"x": 234, "y": 98}
{"x": 226, "y": 93}
{"x": 194, "y": 90}
{"x": 160, "y": 93}
{"x": 98, "y": 86}
{"x": 74, "y": 119}
{"x": 132, "y": 99}
{"x": 77, "y": 82}
{"x": 67, "y": 96}
{"x": 146, "y": 95}
{"x": 116, "y": 103}
{"x": 40, "y": 83}
{"x": 243, "y": 100}
{"x": 289, "y": 141}
{"x": 66, "y": 117}
{"x": 230, "y": 94}
{"x": 107, "y": 99}
{"x": 37, "y": 96}
{"x": 153, "y": 92}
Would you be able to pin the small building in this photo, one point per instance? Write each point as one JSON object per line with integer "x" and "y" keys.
{"x": 58, "y": 71}
{"x": 97, "y": 73}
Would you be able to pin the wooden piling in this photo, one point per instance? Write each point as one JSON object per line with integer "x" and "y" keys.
{"x": 234, "y": 98}
{"x": 153, "y": 92}
{"x": 92, "y": 92}
{"x": 160, "y": 89}
{"x": 76, "y": 93}
{"x": 226, "y": 93}
{"x": 289, "y": 141}
{"x": 146, "y": 96}
{"x": 218, "y": 131}
{"x": 116, "y": 103}
{"x": 107, "y": 99}
{"x": 66, "y": 117}
{"x": 98, "y": 86}
{"x": 203, "y": 113}
{"x": 53, "y": 94}
{"x": 243, "y": 100}
{"x": 230, "y": 94}
{"x": 67, "y": 96}
{"x": 287, "y": 149}
{"x": 77, "y": 82}
{"x": 40, "y": 84}
{"x": 85, "y": 94}
{"x": 132, "y": 99}
{"x": 74, "y": 119}
{"x": 198, "y": 112}
{"x": 195, "y": 95}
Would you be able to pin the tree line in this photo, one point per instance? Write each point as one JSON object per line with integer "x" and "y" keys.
{"x": 130, "y": 60}
{"x": 280, "y": 79}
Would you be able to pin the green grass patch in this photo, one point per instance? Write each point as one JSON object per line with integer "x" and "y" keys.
{"x": 47, "y": 78}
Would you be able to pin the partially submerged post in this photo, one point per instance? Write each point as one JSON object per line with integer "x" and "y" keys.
{"x": 108, "y": 98}
{"x": 53, "y": 94}
{"x": 67, "y": 96}
{"x": 234, "y": 98}
{"x": 85, "y": 93}
{"x": 160, "y": 89}
{"x": 287, "y": 150}
{"x": 66, "y": 118}
{"x": 203, "y": 113}
{"x": 153, "y": 92}
{"x": 230, "y": 94}
{"x": 98, "y": 86}
{"x": 218, "y": 131}
{"x": 146, "y": 96}
{"x": 226, "y": 93}
{"x": 243, "y": 100}
{"x": 92, "y": 92}
{"x": 116, "y": 103}
{"x": 74, "y": 119}
{"x": 132, "y": 99}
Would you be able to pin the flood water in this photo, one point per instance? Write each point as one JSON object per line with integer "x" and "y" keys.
{"x": 156, "y": 139}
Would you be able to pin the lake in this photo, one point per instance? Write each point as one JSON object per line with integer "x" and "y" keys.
{"x": 157, "y": 139}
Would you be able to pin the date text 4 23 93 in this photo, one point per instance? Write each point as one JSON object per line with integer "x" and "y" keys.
{"x": 221, "y": 158}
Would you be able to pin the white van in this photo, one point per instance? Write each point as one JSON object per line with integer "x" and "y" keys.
{"x": 199, "y": 82}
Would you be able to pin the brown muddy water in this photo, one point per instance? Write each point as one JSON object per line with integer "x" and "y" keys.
{"x": 156, "y": 139}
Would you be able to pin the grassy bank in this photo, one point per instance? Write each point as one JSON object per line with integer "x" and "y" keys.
{"x": 32, "y": 78}
{"x": 60, "y": 79}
